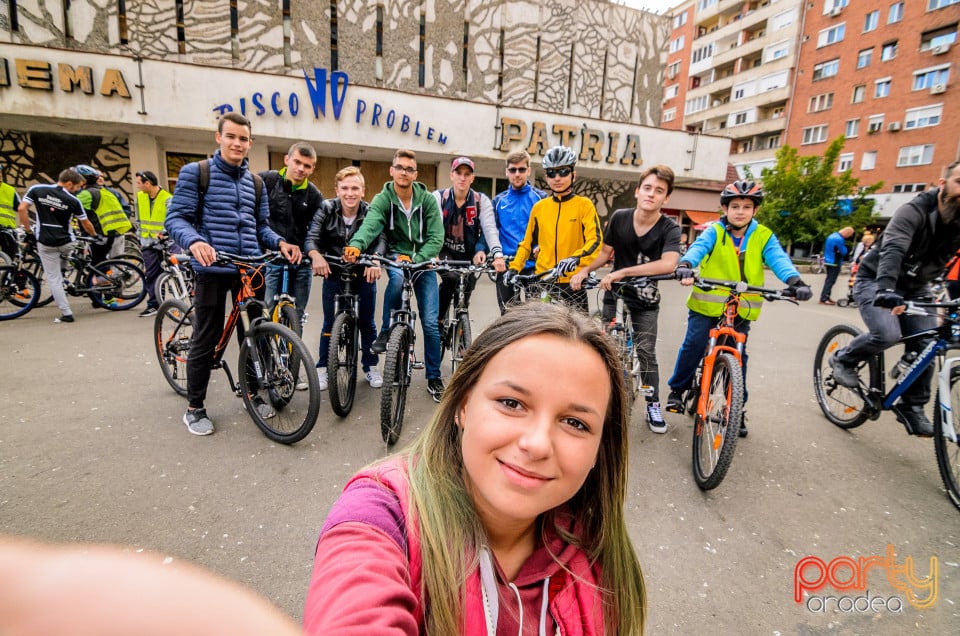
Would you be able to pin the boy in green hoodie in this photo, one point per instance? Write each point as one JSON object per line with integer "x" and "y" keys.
{"x": 407, "y": 211}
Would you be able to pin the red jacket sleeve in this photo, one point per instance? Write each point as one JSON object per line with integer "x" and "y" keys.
{"x": 360, "y": 585}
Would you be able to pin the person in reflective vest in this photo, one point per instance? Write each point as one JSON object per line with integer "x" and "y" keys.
{"x": 151, "y": 213}
{"x": 9, "y": 202}
{"x": 107, "y": 215}
{"x": 734, "y": 248}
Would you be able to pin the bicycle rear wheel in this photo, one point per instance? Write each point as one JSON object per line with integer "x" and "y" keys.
{"x": 715, "y": 433}
{"x": 844, "y": 407}
{"x": 461, "y": 340}
{"x": 119, "y": 285}
{"x": 948, "y": 452}
{"x": 396, "y": 378}
{"x": 284, "y": 414}
{"x": 19, "y": 292}
{"x": 172, "y": 332}
{"x": 342, "y": 364}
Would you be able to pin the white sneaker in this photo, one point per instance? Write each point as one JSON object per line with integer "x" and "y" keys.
{"x": 655, "y": 418}
{"x": 374, "y": 378}
{"x": 322, "y": 377}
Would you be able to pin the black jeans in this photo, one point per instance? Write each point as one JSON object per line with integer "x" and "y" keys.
{"x": 508, "y": 294}
{"x": 832, "y": 272}
{"x": 644, "y": 340}
{"x": 448, "y": 291}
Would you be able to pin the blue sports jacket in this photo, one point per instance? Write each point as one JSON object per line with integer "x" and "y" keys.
{"x": 512, "y": 209}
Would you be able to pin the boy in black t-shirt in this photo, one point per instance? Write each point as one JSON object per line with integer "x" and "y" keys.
{"x": 643, "y": 243}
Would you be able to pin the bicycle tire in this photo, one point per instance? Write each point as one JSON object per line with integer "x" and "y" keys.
{"x": 462, "y": 338}
{"x": 127, "y": 288}
{"x": 284, "y": 362}
{"x": 169, "y": 286}
{"x": 396, "y": 378}
{"x": 342, "y": 364}
{"x": 948, "y": 453}
{"x": 715, "y": 436}
{"x": 844, "y": 407}
{"x": 19, "y": 292}
{"x": 286, "y": 315}
{"x": 172, "y": 333}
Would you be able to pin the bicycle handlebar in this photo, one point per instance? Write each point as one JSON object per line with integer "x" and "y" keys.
{"x": 740, "y": 287}
{"x": 365, "y": 260}
{"x": 408, "y": 265}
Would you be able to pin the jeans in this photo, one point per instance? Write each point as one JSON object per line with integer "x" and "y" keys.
{"x": 695, "y": 345}
{"x": 54, "y": 261}
{"x": 298, "y": 285}
{"x": 428, "y": 299}
{"x": 644, "y": 340}
{"x": 832, "y": 272}
{"x": 885, "y": 330}
{"x": 448, "y": 291}
{"x": 367, "y": 293}
{"x": 152, "y": 260}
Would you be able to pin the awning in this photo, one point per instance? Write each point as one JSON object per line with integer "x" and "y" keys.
{"x": 699, "y": 218}
{"x": 689, "y": 199}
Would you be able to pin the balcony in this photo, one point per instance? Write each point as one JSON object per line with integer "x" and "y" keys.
{"x": 749, "y": 131}
{"x": 748, "y": 21}
{"x": 759, "y": 100}
{"x": 724, "y": 7}
{"x": 744, "y": 50}
{"x": 782, "y": 64}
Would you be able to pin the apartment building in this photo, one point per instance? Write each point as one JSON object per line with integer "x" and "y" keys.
{"x": 678, "y": 66}
{"x": 739, "y": 78}
{"x": 880, "y": 73}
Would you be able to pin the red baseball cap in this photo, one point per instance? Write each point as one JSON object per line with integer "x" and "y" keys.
{"x": 462, "y": 161}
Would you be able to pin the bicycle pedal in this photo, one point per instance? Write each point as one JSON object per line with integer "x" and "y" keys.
{"x": 416, "y": 364}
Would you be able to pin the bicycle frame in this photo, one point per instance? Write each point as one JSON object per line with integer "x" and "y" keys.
{"x": 241, "y": 312}
{"x": 720, "y": 337}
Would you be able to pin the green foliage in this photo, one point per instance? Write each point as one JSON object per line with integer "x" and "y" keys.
{"x": 801, "y": 194}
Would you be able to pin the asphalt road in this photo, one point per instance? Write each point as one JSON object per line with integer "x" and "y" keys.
{"x": 92, "y": 449}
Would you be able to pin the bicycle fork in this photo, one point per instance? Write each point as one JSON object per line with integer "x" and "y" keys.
{"x": 945, "y": 404}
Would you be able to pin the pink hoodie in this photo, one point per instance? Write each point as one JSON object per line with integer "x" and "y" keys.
{"x": 366, "y": 576}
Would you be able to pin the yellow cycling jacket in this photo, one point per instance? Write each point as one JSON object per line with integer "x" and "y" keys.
{"x": 563, "y": 227}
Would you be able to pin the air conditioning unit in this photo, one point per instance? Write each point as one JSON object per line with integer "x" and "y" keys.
{"x": 893, "y": 126}
{"x": 940, "y": 50}
{"x": 937, "y": 89}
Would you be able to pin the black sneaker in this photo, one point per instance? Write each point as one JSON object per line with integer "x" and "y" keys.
{"x": 435, "y": 387}
{"x": 914, "y": 419}
{"x": 380, "y": 344}
{"x": 743, "y": 424}
{"x": 675, "y": 402}
{"x": 64, "y": 318}
{"x": 149, "y": 311}
{"x": 844, "y": 374}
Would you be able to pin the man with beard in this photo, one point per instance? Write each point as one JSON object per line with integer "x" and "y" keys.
{"x": 920, "y": 239}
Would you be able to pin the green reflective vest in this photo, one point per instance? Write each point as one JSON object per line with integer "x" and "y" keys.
{"x": 724, "y": 263}
{"x": 151, "y": 217}
{"x": 109, "y": 210}
{"x": 8, "y": 215}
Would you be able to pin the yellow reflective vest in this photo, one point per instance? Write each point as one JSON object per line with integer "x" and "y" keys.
{"x": 109, "y": 211}
{"x": 8, "y": 215}
{"x": 724, "y": 263}
{"x": 151, "y": 215}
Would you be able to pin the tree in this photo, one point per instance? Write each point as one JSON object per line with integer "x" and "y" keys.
{"x": 806, "y": 200}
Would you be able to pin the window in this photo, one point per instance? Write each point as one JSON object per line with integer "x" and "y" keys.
{"x": 739, "y": 118}
{"x": 669, "y": 115}
{"x": 874, "y": 124}
{"x": 673, "y": 70}
{"x": 927, "y": 77}
{"x": 814, "y": 134}
{"x": 826, "y": 69}
{"x": 923, "y": 117}
{"x": 773, "y": 141}
{"x": 676, "y": 45}
{"x": 882, "y": 87}
{"x": 869, "y": 160}
{"x": 852, "y": 128}
{"x": 858, "y": 93}
{"x": 936, "y": 38}
{"x": 832, "y": 35}
{"x": 783, "y": 20}
{"x": 820, "y": 102}
{"x": 845, "y": 162}
{"x": 871, "y": 21}
{"x": 915, "y": 156}
{"x": 777, "y": 112}
{"x": 702, "y": 53}
{"x": 738, "y": 94}
{"x": 864, "y": 58}
{"x": 888, "y": 52}
{"x": 679, "y": 20}
{"x": 696, "y": 104}
{"x": 778, "y": 50}
{"x": 939, "y": 4}
{"x": 705, "y": 4}
{"x": 896, "y": 13}
{"x": 670, "y": 92}
{"x": 831, "y": 5}
{"x": 909, "y": 187}
{"x": 745, "y": 146}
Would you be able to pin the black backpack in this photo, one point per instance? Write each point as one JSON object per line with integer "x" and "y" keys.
{"x": 204, "y": 183}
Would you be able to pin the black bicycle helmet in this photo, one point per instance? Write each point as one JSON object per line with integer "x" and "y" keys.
{"x": 88, "y": 172}
{"x": 742, "y": 189}
{"x": 559, "y": 157}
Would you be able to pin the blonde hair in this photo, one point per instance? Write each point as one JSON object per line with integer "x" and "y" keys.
{"x": 350, "y": 171}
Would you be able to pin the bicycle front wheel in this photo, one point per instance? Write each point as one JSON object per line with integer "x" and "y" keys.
{"x": 286, "y": 315}
{"x": 172, "y": 332}
{"x": 342, "y": 364}
{"x": 715, "y": 431}
{"x": 843, "y": 406}
{"x": 119, "y": 285}
{"x": 19, "y": 292}
{"x": 284, "y": 414}
{"x": 396, "y": 378}
{"x": 169, "y": 286}
{"x": 461, "y": 340}
{"x": 948, "y": 452}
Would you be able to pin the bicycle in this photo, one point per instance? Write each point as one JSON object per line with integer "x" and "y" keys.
{"x": 400, "y": 361}
{"x": 273, "y": 359}
{"x": 176, "y": 279}
{"x": 455, "y": 333}
{"x": 284, "y": 310}
{"x": 849, "y": 408}
{"x": 716, "y": 397}
{"x": 19, "y": 291}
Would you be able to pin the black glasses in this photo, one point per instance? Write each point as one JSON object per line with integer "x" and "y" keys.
{"x": 558, "y": 172}
{"x": 406, "y": 169}
{"x": 521, "y": 170}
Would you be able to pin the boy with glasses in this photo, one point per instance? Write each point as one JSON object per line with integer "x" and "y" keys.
{"x": 512, "y": 210}
{"x": 565, "y": 226}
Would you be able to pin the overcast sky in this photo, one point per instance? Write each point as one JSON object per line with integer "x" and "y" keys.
{"x": 656, "y": 6}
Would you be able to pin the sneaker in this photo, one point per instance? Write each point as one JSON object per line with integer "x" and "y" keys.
{"x": 149, "y": 311}
{"x": 655, "y": 418}
{"x": 322, "y": 377}
{"x": 435, "y": 387}
{"x": 914, "y": 419}
{"x": 380, "y": 344}
{"x": 844, "y": 374}
{"x": 265, "y": 410}
{"x": 64, "y": 318}
{"x": 828, "y": 301}
{"x": 374, "y": 378}
{"x": 675, "y": 402}
{"x": 302, "y": 385}
{"x": 743, "y": 424}
{"x": 197, "y": 422}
